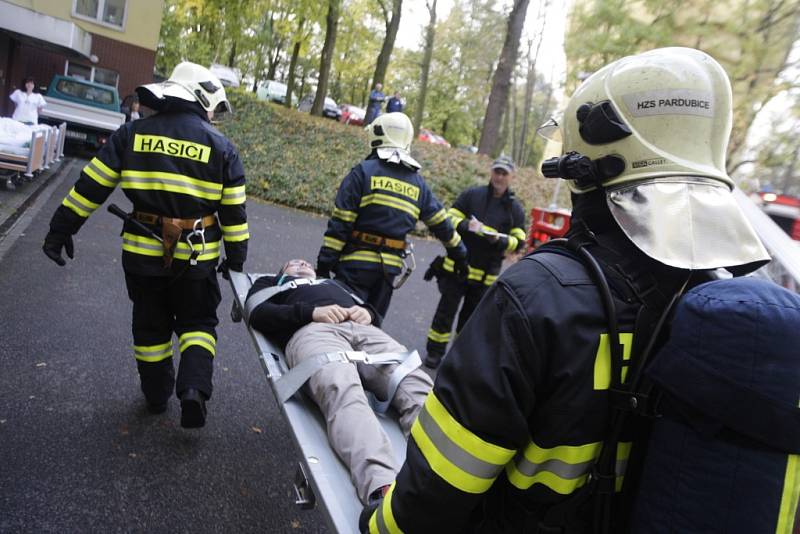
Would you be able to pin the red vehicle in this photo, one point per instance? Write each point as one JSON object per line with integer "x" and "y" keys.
{"x": 430, "y": 137}
{"x": 547, "y": 224}
{"x": 784, "y": 210}
{"x": 352, "y": 115}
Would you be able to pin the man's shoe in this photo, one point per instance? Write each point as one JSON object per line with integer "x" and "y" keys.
{"x": 156, "y": 408}
{"x": 193, "y": 409}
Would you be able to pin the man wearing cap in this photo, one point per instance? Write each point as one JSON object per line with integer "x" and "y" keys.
{"x": 491, "y": 223}
{"x": 521, "y": 407}
{"x": 187, "y": 187}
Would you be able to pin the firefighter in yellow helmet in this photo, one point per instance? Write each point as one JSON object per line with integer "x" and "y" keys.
{"x": 187, "y": 186}
{"x": 377, "y": 204}
{"x": 509, "y": 436}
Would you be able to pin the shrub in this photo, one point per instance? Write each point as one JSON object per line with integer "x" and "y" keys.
{"x": 298, "y": 160}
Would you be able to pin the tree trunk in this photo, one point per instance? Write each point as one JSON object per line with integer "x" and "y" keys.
{"x": 430, "y": 34}
{"x": 293, "y": 62}
{"x": 388, "y": 43}
{"x": 274, "y": 61}
{"x": 530, "y": 82}
{"x": 232, "y": 55}
{"x": 331, "y": 25}
{"x": 501, "y": 80}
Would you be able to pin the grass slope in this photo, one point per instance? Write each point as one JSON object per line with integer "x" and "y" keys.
{"x": 297, "y": 160}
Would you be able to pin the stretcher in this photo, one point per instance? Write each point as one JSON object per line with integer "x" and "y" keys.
{"x": 34, "y": 151}
{"x": 322, "y": 479}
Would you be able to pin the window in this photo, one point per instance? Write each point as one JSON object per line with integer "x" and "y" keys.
{"x": 85, "y": 92}
{"x": 92, "y": 74}
{"x": 106, "y": 12}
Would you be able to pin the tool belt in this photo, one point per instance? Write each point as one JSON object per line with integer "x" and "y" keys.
{"x": 171, "y": 230}
{"x": 378, "y": 240}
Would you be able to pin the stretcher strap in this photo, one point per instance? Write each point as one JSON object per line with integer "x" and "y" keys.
{"x": 411, "y": 362}
{"x": 290, "y": 382}
{"x": 263, "y": 295}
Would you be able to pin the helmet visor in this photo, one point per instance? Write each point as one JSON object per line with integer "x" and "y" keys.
{"x": 551, "y": 130}
{"x": 688, "y": 223}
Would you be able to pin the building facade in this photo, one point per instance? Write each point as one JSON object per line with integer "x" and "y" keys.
{"x": 107, "y": 41}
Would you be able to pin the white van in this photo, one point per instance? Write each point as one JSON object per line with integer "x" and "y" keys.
{"x": 272, "y": 91}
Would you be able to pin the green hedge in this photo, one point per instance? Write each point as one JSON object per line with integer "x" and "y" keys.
{"x": 297, "y": 160}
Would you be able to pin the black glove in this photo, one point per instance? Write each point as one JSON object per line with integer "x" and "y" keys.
{"x": 54, "y": 242}
{"x": 366, "y": 514}
{"x": 227, "y": 265}
{"x": 435, "y": 269}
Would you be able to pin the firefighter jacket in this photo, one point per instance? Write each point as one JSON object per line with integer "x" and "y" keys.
{"x": 386, "y": 200}
{"x": 519, "y": 409}
{"x": 504, "y": 215}
{"x": 287, "y": 312}
{"x": 173, "y": 164}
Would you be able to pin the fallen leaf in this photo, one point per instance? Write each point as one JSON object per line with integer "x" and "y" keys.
{"x": 255, "y": 429}
{"x": 41, "y": 364}
{"x": 295, "y": 523}
{"x": 132, "y": 454}
{"x": 2, "y": 421}
{"x": 32, "y": 397}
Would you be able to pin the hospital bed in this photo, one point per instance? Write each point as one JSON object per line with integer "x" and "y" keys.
{"x": 27, "y": 156}
{"x": 322, "y": 479}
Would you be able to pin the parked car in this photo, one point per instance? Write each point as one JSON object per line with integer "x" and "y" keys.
{"x": 430, "y": 137}
{"x": 329, "y": 110}
{"x": 352, "y": 114}
{"x": 91, "y": 110}
{"x": 272, "y": 91}
{"x": 228, "y": 76}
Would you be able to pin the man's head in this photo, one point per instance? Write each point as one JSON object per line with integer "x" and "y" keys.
{"x": 502, "y": 174}
{"x": 298, "y": 268}
{"x": 378, "y": 86}
{"x": 189, "y": 82}
{"x": 650, "y": 132}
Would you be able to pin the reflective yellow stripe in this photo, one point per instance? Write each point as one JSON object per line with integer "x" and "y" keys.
{"x": 97, "y": 178}
{"x": 200, "y": 339}
{"x": 171, "y": 182}
{"x": 490, "y": 279}
{"x": 512, "y": 243}
{"x": 382, "y": 520}
{"x": 333, "y": 243}
{"x": 105, "y": 169}
{"x": 372, "y": 257}
{"x": 153, "y": 353}
{"x": 456, "y": 216}
{"x": 235, "y": 233}
{"x": 345, "y": 215}
{"x": 563, "y": 469}
{"x": 474, "y": 273}
{"x": 458, "y": 456}
{"x": 790, "y": 498}
{"x": 391, "y": 202}
{"x": 147, "y": 246}
{"x": 602, "y": 362}
{"x": 454, "y": 241}
{"x": 79, "y": 203}
{"x": 436, "y": 218}
{"x": 438, "y": 337}
{"x": 519, "y": 233}
{"x": 233, "y": 195}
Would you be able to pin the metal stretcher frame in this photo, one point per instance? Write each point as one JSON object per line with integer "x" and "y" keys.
{"x": 30, "y": 162}
{"x": 322, "y": 478}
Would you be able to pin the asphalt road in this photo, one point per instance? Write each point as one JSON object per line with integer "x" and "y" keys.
{"x": 79, "y": 452}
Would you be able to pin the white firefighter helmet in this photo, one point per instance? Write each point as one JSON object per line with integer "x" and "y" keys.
{"x": 194, "y": 83}
{"x": 652, "y": 131}
{"x": 390, "y": 135}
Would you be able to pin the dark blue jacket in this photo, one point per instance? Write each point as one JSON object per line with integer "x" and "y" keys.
{"x": 382, "y": 199}
{"x": 394, "y": 104}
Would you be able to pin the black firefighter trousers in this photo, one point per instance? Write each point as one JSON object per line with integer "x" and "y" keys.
{"x": 187, "y": 307}
{"x": 453, "y": 289}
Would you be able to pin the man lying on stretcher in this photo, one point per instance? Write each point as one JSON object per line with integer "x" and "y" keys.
{"x": 318, "y": 316}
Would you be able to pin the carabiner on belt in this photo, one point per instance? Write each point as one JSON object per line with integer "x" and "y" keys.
{"x": 201, "y": 232}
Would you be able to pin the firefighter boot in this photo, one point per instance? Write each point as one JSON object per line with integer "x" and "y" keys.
{"x": 193, "y": 409}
